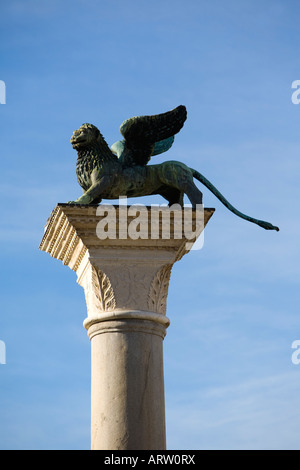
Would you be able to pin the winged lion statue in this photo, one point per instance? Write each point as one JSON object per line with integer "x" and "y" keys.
{"x": 123, "y": 170}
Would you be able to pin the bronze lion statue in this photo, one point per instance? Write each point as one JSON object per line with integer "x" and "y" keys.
{"x": 123, "y": 170}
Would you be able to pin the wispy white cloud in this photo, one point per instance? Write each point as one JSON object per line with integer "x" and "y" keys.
{"x": 256, "y": 414}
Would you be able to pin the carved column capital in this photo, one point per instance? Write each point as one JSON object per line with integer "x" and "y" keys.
{"x": 119, "y": 276}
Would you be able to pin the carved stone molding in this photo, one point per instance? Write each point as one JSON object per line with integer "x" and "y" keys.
{"x": 71, "y": 230}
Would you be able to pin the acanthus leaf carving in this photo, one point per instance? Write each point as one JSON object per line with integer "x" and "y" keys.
{"x": 157, "y": 298}
{"x": 103, "y": 290}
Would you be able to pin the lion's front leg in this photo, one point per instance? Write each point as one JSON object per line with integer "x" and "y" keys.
{"x": 94, "y": 192}
{"x": 84, "y": 199}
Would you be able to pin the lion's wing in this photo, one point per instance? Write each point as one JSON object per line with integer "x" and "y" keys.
{"x": 141, "y": 133}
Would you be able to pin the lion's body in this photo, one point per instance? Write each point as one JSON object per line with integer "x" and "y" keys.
{"x": 170, "y": 179}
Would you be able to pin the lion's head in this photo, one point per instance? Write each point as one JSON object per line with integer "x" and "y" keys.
{"x": 86, "y": 135}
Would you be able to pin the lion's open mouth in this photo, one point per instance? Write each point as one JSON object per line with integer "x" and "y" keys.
{"x": 78, "y": 139}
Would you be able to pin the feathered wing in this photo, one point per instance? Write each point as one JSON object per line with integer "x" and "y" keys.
{"x": 162, "y": 146}
{"x": 148, "y": 135}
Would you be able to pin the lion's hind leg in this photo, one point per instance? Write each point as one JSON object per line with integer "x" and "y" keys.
{"x": 172, "y": 195}
{"x": 193, "y": 193}
{"x": 177, "y": 180}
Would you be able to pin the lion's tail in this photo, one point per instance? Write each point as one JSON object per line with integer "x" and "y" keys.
{"x": 216, "y": 192}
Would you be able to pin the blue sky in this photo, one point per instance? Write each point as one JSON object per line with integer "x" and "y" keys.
{"x": 234, "y": 305}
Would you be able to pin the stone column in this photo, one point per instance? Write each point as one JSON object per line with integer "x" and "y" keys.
{"x": 125, "y": 283}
